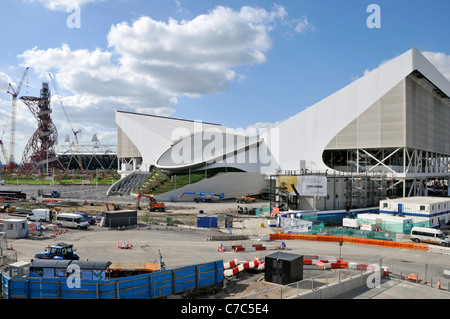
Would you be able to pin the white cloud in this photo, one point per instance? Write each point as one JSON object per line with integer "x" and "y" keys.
{"x": 303, "y": 25}
{"x": 160, "y": 61}
{"x": 148, "y": 64}
{"x": 259, "y": 128}
{"x": 63, "y": 5}
{"x": 4, "y": 80}
{"x": 440, "y": 60}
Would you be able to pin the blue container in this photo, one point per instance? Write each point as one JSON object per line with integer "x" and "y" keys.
{"x": 208, "y": 221}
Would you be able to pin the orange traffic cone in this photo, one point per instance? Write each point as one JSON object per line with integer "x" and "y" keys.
{"x": 11, "y": 247}
{"x": 439, "y": 284}
{"x": 137, "y": 228}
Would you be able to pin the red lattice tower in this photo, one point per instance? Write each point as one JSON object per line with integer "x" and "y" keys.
{"x": 40, "y": 150}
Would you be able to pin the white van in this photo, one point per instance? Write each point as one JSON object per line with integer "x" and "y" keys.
{"x": 430, "y": 236}
{"x": 38, "y": 215}
{"x": 71, "y": 221}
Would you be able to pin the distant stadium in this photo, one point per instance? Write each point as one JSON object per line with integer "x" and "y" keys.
{"x": 87, "y": 157}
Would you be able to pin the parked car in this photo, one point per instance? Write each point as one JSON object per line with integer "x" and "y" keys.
{"x": 87, "y": 217}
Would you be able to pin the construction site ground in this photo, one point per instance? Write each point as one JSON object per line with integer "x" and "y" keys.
{"x": 184, "y": 244}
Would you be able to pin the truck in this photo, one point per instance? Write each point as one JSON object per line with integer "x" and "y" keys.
{"x": 58, "y": 251}
{"x": 53, "y": 194}
{"x": 40, "y": 214}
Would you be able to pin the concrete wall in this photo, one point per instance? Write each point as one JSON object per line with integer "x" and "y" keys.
{"x": 337, "y": 289}
{"x": 231, "y": 184}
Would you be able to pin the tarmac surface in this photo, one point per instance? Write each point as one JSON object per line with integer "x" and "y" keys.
{"x": 396, "y": 289}
{"x": 185, "y": 244}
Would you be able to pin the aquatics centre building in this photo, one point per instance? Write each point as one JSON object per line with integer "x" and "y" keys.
{"x": 385, "y": 134}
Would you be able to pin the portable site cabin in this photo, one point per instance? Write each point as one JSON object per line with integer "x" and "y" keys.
{"x": 14, "y": 228}
{"x": 291, "y": 223}
{"x": 425, "y": 211}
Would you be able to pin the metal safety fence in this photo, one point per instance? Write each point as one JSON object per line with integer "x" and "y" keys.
{"x": 328, "y": 279}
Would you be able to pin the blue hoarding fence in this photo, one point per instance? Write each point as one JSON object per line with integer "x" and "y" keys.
{"x": 146, "y": 286}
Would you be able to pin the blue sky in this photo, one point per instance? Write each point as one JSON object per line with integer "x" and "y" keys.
{"x": 236, "y": 63}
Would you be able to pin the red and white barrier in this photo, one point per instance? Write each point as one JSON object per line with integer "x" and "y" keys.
{"x": 327, "y": 263}
{"x": 241, "y": 267}
{"x": 261, "y": 266}
{"x": 230, "y": 264}
{"x": 256, "y": 247}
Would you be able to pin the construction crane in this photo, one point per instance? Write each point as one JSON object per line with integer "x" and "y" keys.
{"x": 75, "y": 133}
{"x": 15, "y": 94}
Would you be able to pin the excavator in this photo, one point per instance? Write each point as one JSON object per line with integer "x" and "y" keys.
{"x": 153, "y": 204}
{"x": 114, "y": 206}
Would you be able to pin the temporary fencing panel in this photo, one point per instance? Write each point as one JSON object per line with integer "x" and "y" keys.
{"x": 349, "y": 232}
{"x": 145, "y": 286}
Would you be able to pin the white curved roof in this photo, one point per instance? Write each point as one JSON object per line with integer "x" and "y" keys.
{"x": 203, "y": 148}
{"x": 311, "y": 130}
{"x": 152, "y": 135}
{"x": 303, "y": 137}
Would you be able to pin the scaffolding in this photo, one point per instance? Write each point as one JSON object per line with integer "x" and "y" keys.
{"x": 345, "y": 190}
{"x": 407, "y": 171}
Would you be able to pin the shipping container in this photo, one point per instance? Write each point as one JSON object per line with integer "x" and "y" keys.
{"x": 350, "y": 222}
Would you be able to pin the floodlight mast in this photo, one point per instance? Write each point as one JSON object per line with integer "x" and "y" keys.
{"x": 15, "y": 94}
{"x": 75, "y": 133}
